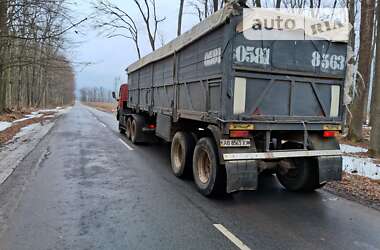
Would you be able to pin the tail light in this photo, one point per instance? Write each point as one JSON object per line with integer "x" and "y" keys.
{"x": 328, "y": 134}
{"x": 151, "y": 126}
{"x": 239, "y": 133}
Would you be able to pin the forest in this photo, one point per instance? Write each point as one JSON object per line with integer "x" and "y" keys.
{"x": 34, "y": 70}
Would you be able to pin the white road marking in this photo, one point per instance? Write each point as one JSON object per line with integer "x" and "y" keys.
{"x": 231, "y": 237}
{"x": 104, "y": 125}
{"x": 125, "y": 144}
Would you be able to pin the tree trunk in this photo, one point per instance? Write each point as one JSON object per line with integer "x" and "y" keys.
{"x": 374, "y": 147}
{"x": 3, "y": 43}
{"x": 367, "y": 105}
{"x": 180, "y": 15}
{"x": 215, "y": 5}
{"x": 351, "y": 17}
{"x": 357, "y": 109}
{"x": 372, "y": 108}
{"x": 258, "y": 3}
{"x": 206, "y": 8}
{"x": 278, "y": 4}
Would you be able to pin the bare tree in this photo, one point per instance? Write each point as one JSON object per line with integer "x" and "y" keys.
{"x": 374, "y": 147}
{"x": 205, "y": 8}
{"x": 115, "y": 21}
{"x": 95, "y": 94}
{"x": 151, "y": 21}
{"x": 357, "y": 108}
{"x": 180, "y": 16}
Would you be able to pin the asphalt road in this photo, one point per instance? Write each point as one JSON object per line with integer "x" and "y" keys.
{"x": 89, "y": 188}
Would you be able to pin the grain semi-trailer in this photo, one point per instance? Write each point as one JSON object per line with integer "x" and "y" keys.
{"x": 234, "y": 108}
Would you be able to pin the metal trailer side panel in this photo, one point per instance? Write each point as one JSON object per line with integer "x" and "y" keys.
{"x": 133, "y": 86}
{"x": 163, "y": 85}
{"x": 145, "y": 87}
{"x": 200, "y": 76}
{"x": 188, "y": 82}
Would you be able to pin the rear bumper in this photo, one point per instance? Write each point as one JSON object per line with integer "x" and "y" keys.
{"x": 280, "y": 155}
{"x": 243, "y": 173}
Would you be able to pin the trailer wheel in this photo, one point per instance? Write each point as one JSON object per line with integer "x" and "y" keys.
{"x": 208, "y": 175}
{"x": 129, "y": 127}
{"x": 300, "y": 177}
{"x": 182, "y": 149}
{"x": 303, "y": 176}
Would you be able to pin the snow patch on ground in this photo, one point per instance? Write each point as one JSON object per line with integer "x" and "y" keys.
{"x": 348, "y": 149}
{"x": 361, "y": 166}
{"x": 358, "y": 165}
{"x": 39, "y": 114}
{"x": 12, "y": 153}
{"x": 5, "y": 125}
{"x": 26, "y": 130}
{"x": 22, "y": 144}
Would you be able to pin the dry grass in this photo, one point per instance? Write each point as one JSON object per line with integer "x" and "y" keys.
{"x": 10, "y": 116}
{"x": 102, "y": 106}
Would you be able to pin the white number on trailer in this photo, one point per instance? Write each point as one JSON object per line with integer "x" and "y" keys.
{"x": 328, "y": 61}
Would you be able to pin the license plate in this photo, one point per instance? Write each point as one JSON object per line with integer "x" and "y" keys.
{"x": 225, "y": 143}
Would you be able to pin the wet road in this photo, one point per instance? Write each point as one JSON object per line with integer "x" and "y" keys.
{"x": 91, "y": 189}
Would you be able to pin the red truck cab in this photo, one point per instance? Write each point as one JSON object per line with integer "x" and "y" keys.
{"x": 123, "y": 99}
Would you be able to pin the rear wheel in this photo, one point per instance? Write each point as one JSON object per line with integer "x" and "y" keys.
{"x": 208, "y": 175}
{"x": 129, "y": 127}
{"x": 302, "y": 174}
{"x": 301, "y": 177}
{"x": 182, "y": 153}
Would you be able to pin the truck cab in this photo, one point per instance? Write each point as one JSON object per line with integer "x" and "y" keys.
{"x": 122, "y": 100}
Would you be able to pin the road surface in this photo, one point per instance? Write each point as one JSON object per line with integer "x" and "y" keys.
{"x": 89, "y": 188}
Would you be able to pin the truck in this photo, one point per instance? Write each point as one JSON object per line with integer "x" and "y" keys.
{"x": 234, "y": 109}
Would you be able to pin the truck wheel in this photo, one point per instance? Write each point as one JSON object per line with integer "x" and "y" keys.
{"x": 182, "y": 153}
{"x": 121, "y": 130}
{"x": 129, "y": 128}
{"x": 302, "y": 177}
{"x": 137, "y": 125}
{"x": 208, "y": 175}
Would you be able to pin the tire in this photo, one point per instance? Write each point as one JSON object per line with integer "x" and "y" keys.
{"x": 181, "y": 154}
{"x": 304, "y": 176}
{"x": 209, "y": 177}
{"x": 136, "y": 129}
{"x": 121, "y": 130}
{"x": 129, "y": 127}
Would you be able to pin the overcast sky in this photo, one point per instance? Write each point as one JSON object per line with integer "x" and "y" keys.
{"x": 110, "y": 57}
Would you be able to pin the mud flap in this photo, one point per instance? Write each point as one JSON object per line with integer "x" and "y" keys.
{"x": 241, "y": 175}
{"x": 330, "y": 168}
